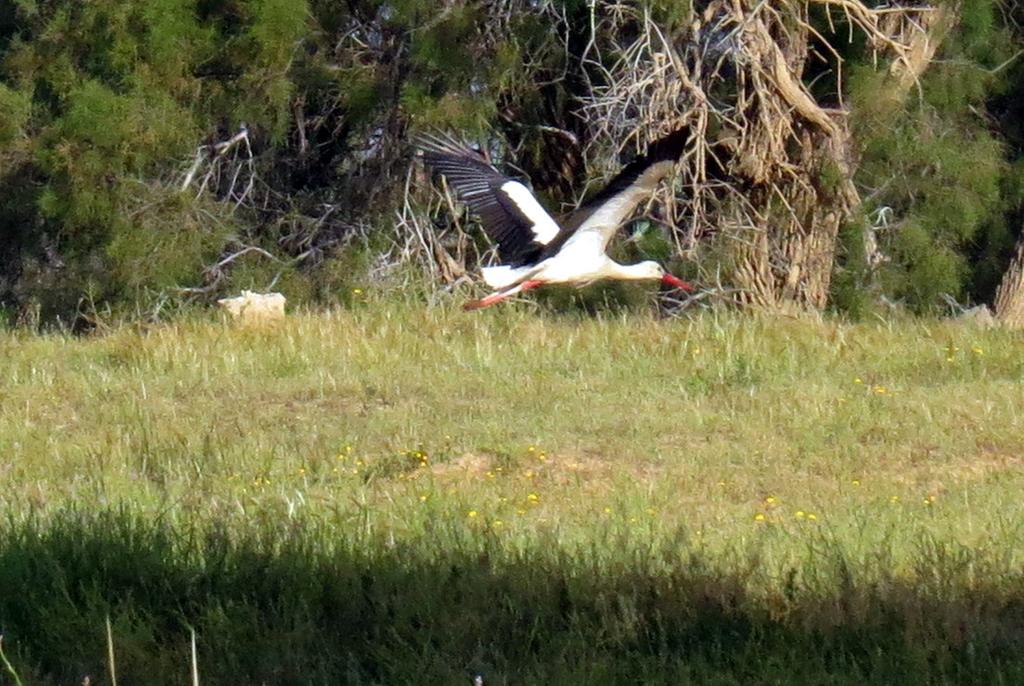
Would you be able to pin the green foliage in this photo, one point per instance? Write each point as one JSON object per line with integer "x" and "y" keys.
{"x": 362, "y": 92}
{"x": 651, "y": 241}
{"x": 160, "y": 248}
{"x": 276, "y": 31}
{"x": 105, "y": 103}
{"x": 115, "y": 97}
{"x": 936, "y": 175}
{"x": 851, "y": 287}
{"x": 670, "y": 13}
{"x": 445, "y": 47}
{"x": 14, "y": 112}
{"x": 944, "y": 182}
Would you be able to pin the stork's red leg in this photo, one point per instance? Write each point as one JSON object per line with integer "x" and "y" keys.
{"x": 480, "y": 304}
{"x": 495, "y": 298}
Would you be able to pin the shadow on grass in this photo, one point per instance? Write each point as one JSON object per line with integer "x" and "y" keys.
{"x": 304, "y": 605}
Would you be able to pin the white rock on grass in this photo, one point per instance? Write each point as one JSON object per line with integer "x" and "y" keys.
{"x": 250, "y": 306}
{"x": 980, "y": 316}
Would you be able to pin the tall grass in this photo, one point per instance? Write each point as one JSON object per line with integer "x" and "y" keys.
{"x": 398, "y": 494}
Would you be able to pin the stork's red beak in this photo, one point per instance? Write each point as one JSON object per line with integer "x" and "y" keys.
{"x": 676, "y": 282}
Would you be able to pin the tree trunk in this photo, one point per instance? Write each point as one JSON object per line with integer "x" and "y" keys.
{"x": 784, "y": 257}
{"x": 921, "y": 41}
{"x": 1009, "y": 303}
{"x": 769, "y": 172}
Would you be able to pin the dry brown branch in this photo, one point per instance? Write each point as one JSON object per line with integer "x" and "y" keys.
{"x": 766, "y": 181}
{"x": 214, "y": 152}
{"x": 1009, "y": 302}
{"x": 445, "y": 248}
{"x": 214, "y": 156}
{"x": 921, "y": 36}
{"x": 215, "y": 274}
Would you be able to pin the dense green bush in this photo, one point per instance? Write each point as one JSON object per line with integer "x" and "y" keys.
{"x": 113, "y": 96}
{"x": 103, "y": 105}
{"x": 938, "y": 171}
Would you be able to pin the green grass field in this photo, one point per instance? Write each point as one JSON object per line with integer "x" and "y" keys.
{"x": 403, "y": 494}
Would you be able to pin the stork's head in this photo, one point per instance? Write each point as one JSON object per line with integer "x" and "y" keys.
{"x": 652, "y": 270}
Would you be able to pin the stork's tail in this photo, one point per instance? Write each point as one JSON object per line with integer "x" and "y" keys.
{"x": 504, "y": 276}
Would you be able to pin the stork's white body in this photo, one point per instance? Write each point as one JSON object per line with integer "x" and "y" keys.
{"x": 571, "y": 256}
{"x": 582, "y": 259}
{"x": 578, "y": 268}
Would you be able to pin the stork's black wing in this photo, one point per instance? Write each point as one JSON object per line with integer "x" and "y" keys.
{"x": 508, "y": 211}
{"x": 616, "y": 201}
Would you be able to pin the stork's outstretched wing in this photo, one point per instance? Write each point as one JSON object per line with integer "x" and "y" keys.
{"x": 508, "y": 211}
{"x": 604, "y": 212}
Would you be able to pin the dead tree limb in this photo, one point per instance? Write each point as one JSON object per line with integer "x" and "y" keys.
{"x": 1009, "y": 302}
{"x": 767, "y": 180}
{"x": 213, "y": 155}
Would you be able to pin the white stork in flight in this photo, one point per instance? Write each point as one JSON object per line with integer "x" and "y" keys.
{"x": 533, "y": 249}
